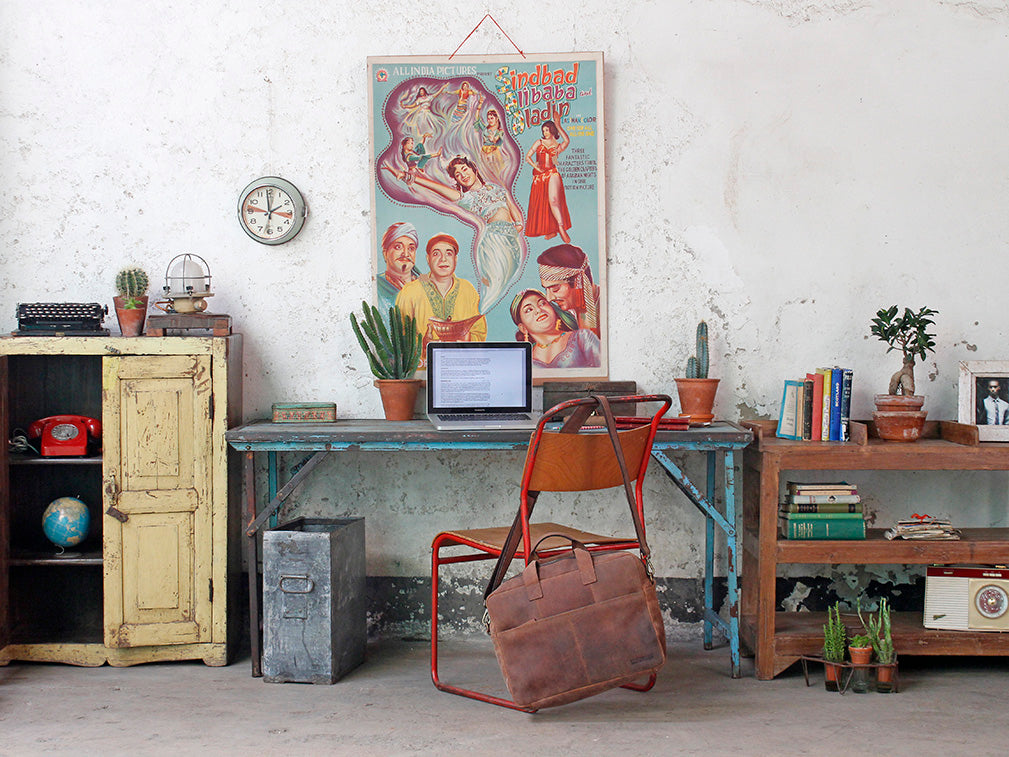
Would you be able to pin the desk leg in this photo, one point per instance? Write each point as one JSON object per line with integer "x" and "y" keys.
{"x": 732, "y": 555}
{"x": 709, "y": 556}
{"x": 252, "y": 562}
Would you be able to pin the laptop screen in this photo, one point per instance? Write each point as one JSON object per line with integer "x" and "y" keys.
{"x": 479, "y": 377}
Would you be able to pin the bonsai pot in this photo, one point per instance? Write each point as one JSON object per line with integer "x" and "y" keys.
{"x": 131, "y": 320}
{"x": 899, "y": 418}
{"x": 398, "y": 397}
{"x": 697, "y": 398}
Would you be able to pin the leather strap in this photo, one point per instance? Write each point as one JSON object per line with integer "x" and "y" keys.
{"x": 572, "y": 425}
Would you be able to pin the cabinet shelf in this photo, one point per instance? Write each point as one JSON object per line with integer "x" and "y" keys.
{"x": 25, "y": 559}
{"x": 36, "y": 460}
{"x": 779, "y": 639}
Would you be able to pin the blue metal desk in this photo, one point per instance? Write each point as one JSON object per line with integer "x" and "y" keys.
{"x": 719, "y": 441}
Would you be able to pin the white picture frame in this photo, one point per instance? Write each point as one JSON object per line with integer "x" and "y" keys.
{"x": 976, "y": 378}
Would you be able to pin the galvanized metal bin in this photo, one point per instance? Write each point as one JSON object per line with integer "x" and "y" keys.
{"x": 314, "y": 624}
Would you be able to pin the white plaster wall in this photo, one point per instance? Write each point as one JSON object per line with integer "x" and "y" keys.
{"x": 781, "y": 168}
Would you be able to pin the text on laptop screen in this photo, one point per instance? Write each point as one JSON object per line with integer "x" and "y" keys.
{"x": 475, "y": 376}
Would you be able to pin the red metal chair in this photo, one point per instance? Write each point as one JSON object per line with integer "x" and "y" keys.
{"x": 576, "y": 457}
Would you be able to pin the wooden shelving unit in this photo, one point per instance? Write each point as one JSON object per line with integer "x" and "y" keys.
{"x": 779, "y": 639}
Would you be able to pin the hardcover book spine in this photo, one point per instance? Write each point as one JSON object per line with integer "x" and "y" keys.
{"x": 807, "y": 408}
{"x": 846, "y": 377}
{"x": 807, "y": 499}
{"x": 816, "y": 432}
{"x": 836, "y": 376}
{"x": 824, "y": 507}
{"x": 819, "y": 516}
{"x": 825, "y": 419}
{"x": 826, "y": 528}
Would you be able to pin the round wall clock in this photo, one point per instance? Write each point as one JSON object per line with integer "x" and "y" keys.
{"x": 272, "y": 210}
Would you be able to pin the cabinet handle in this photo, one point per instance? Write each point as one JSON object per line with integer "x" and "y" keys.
{"x": 117, "y": 514}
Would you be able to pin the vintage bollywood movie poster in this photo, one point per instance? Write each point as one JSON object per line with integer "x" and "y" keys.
{"x": 488, "y": 214}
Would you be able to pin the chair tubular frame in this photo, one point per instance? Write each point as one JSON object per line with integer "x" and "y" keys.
{"x": 582, "y": 410}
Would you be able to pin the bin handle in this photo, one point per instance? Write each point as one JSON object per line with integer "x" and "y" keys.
{"x": 309, "y": 584}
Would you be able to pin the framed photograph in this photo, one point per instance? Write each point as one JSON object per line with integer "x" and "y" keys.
{"x": 488, "y": 213}
{"x": 984, "y": 398}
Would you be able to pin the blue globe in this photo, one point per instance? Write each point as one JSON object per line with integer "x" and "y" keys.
{"x": 66, "y": 521}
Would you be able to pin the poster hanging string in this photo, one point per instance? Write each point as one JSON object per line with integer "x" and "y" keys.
{"x": 486, "y": 16}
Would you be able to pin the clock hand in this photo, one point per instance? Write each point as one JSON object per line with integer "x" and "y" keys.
{"x": 285, "y": 215}
{"x": 254, "y": 209}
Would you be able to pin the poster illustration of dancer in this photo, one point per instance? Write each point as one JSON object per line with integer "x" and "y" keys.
{"x": 488, "y": 216}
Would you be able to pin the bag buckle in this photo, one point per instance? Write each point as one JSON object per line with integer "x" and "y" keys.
{"x": 486, "y": 620}
{"x": 649, "y": 570}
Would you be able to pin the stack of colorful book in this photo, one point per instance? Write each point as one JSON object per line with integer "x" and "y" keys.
{"x": 817, "y": 407}
{"x": 822, "y": 511}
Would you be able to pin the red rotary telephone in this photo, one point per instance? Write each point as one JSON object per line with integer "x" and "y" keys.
{"x": 65, "y": 435}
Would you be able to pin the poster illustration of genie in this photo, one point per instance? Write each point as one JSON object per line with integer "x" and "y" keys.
{"x": 488, "y": 216}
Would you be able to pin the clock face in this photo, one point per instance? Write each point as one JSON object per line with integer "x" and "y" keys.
{"x": 272, "y": 210}
{"x": 991, "y": 601}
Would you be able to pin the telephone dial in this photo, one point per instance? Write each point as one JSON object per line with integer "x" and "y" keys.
{"x": 65, "y": 435}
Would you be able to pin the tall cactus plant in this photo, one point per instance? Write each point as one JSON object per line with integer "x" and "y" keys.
{"x": 697, "y": 365}
{"x": 132, "y": 282}
{"x": 393, "y": 352}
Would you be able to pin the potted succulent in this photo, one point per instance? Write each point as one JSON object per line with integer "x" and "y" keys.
{"x": 697, "y": 391}
{"x": 393, "y": 353}
{"x": 898, "y": 415}
{"x": 834, "y": 637}
{"x": 878, "y": 629}
{"x": 131, "y": 302}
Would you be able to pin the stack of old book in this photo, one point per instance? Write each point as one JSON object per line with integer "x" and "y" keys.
{"x": 923, "y": 527}
{"x": 822, "y": 511}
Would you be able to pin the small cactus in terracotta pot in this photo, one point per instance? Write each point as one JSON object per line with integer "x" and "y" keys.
{"x": 696, "y": 390}
{"x": 131, "y": 302}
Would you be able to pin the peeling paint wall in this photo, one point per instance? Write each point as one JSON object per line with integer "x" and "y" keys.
{"x": 781, "y": 168}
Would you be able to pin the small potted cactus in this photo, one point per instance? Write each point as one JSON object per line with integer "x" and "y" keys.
{"x": 393, "y": 348}
{"x": 131, "y": 302}
{"x": 697, "y": 391}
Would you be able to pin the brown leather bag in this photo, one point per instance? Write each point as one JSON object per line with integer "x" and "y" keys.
{"x": 577, "y": 625}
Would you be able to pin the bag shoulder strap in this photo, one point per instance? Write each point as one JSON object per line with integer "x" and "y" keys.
{"x": 515, "y": 532}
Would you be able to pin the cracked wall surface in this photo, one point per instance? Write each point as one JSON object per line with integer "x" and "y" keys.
{"x": 779, "y": 168}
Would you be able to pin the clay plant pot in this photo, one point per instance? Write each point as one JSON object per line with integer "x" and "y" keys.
{"x": 899, "y": 418}
{"x": 860, "y": 655}
{"x": 697, "y": 398}
{"x": 131, "y": 320}
{"x": 884, "y": 678}
{"x": 831, "y": 675}
{"x": 398, "y": 397}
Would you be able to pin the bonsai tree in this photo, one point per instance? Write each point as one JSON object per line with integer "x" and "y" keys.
{"x": 132, "y": 283}
{"x": 697, "y": 365}
{"x": 394, "y": 351}
{"x": 834, "y": 635}
{"x": 907, "y": 333}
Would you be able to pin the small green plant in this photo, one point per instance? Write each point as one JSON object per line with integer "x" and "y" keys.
{"x": 877, "y": 627}
{"x": 393, "y": 352}
{"x": 907, "y": 333}
{"x": 860, "y": 641}
{"x": 132, "y": 283}
{"x": 132, "y": 304}
{"x": 834, "y": 635}
{"x": 697, "y": 365}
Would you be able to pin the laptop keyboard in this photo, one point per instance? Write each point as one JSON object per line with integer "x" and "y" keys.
{"x": 485, "y": 417}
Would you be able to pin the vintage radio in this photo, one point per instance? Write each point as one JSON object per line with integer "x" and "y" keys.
{"x": 967, "y": 598}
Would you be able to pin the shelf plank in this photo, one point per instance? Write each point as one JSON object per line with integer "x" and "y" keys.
{"x": 36, "y": 460}
{"x": 981, "y": 545}
{"x": 49, "y": 558}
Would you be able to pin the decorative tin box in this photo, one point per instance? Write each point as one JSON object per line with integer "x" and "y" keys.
{"x": 304, "y": 412}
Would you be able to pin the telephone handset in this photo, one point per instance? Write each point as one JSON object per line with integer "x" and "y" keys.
{"x": 65, "y": 435}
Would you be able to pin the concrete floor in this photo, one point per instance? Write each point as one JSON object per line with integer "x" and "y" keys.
{"x": 946, "y": 706}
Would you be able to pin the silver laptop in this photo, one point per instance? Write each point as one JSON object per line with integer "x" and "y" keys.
{"x": 480, "y": 385}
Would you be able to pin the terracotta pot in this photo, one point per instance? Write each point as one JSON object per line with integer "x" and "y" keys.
{"x": 131, "y": 320}
{"x": 898, "y": 402}
{"x": 899, "y": 418}
{"x": 860, "y": 655}
{"x": 697, "y": 398}
{"x": 884, "y": 678}
{"x": 398, "y": 397}
{"x": 831, "y": 673}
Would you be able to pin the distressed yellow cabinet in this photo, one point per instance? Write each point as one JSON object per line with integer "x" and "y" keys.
{"x": 156, "y": 576}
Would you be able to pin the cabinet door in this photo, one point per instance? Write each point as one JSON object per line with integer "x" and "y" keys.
{"x": 4, "y": 511}
{"x": 157, "y": 540}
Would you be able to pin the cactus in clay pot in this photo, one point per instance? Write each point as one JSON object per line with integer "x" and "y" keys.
{"x": 132, "y": 283}
{"x": 697, "y": 365}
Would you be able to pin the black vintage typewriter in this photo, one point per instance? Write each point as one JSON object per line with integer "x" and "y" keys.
{"x": 61, "y": 319}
